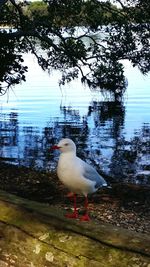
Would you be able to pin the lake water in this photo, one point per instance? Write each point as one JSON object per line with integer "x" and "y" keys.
{"x": 114, "y": 138}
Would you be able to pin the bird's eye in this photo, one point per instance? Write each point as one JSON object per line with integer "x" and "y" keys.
{"x": 66, "y": 144}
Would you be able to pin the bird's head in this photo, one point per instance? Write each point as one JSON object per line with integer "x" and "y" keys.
{"x": 65, "y": 145}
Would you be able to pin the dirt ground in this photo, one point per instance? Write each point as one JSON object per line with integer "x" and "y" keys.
{"x": 125, "y": 205}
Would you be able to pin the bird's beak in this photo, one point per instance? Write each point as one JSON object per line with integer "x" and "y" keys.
{"x": 55, "y": 147}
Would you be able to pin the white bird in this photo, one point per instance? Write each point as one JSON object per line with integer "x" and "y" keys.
{"x": 78, "y": 176}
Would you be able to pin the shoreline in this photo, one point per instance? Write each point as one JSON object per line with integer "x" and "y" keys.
{"x": 125, "y": 205}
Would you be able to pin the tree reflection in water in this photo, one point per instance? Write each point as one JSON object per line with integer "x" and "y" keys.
{"x": 9, "y": 133}
{"x": 99, "y": 135}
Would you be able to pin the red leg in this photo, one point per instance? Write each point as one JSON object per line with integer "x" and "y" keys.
{"x": 85, "y": 217}
{"x": 75, "y": 212}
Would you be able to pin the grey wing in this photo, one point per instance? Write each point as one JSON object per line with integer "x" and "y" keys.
{"x": 91, "y": 174}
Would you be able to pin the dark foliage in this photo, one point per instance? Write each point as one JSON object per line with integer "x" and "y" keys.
{"x": 85, "y": 39}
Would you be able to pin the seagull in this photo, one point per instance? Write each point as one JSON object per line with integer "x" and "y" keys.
{"x": 77, "y": 175}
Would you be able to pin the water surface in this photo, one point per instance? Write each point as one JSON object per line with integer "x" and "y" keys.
{"x": 114, "y": 138}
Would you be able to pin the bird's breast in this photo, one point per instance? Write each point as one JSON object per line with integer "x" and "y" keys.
{"x": 70, "y": 174}
{"x": 66, "y": 171}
